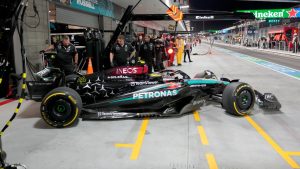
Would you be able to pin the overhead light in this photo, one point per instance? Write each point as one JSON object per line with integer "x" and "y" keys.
{"x": 184, "y": 7}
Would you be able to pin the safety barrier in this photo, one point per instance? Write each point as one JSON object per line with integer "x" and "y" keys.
{"x": 279, "y": 45}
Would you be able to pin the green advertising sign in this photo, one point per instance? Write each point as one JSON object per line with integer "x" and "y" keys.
{"x": 274, "y": 13}
{"x": 213, "y": 31}
{"x": 102, "y": 7}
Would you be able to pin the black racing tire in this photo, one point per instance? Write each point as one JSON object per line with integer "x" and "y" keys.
{"x": 61, "y": 107}
{"x": 238, "y": 98}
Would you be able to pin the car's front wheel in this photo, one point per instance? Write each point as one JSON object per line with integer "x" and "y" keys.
{"x": 238, "y": 99}
{"x": 61, "y": 107}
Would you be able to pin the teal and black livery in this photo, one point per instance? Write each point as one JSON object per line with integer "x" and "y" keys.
{"x": 165, "y": 94}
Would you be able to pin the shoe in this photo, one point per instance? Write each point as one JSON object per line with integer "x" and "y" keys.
{"x": 191, "y": 61}
{"x": 179, "y": 65}
{"x": 184, "y": 61}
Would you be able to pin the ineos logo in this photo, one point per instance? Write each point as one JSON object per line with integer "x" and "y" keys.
{"x": 127, "y": 70}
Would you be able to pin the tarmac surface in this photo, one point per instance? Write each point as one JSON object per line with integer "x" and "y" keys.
{"x": 292, "y": 62}
{"x": 207, "y": 139}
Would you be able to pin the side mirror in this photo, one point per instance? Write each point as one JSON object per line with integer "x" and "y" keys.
{"x": 235, "y": 80}
{"x": 225, "y": 79}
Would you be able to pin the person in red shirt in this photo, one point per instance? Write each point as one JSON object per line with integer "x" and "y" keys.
{"x": 171, "y": 51}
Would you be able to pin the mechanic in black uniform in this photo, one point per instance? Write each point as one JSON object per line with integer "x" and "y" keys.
{"x": 67, "y": 56}
{"x": 121, "y": 53}
{"x": 159, "y": 52}
{"x": 137, "y": 44}
{"x": 147, "y": 53}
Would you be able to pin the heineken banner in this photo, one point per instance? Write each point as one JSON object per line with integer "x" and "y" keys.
{"x": 274, "y": 13}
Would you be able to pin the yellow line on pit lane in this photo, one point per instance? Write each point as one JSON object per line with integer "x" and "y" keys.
{"x": 136, "y": 147}
{"x": 285, "y": 155}
{"x": 292, "y": 153}
{"x": 139, "y": 140}
{"x": 202, "y": 135}
{"x": 124, "y": 145}
{"x": 212, "y": 164}
{"x": 196, "y": 116}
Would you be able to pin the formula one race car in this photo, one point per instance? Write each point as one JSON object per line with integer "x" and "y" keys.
{"x": 129, "y": 91}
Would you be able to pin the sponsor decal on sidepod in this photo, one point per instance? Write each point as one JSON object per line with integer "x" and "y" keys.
{"x": 128, "y": 70}
{"x": 143, "y": 83}
{"x": 156, "y": 94}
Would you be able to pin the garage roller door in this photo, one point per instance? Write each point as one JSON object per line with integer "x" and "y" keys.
{"x": 139, "y": 29}
{"x": 72, "y": 17}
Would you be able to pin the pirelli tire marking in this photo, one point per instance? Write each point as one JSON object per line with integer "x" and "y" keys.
{"x": 235, "y": 99}
{"x": 45, "y": 114}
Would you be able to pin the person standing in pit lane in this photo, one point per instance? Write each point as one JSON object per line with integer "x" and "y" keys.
{"x": 121, "y": 53}
{"x": 187, "y": 49}
{"x": 147, "y": 53}
{"x": 180, "y": 48}
{"x": 295, "y": 43}
{"x": 171, "y": 51}
{"x": 66, "y": 59}
{"x": 137, "y": 45}
{"x": 159, "y": 50}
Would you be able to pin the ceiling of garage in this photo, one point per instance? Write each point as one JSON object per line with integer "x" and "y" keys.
{"x": 150, "y": 7}
{"x": 145, "y": 7}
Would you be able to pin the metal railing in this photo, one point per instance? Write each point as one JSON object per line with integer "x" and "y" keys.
{"x": 273, "y": 45}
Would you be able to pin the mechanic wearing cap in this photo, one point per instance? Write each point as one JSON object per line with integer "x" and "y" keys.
{"x": 147, "y": 53}
{"x": 67, "y": 56}
{"x": 180, "y": 48}
{"x": 121, "y": 53}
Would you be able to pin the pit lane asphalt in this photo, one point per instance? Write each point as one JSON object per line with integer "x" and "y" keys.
{"x": 291, "y": 62}
{"x": 184, "y": 142}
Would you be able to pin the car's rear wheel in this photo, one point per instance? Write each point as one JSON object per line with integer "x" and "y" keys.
{"x": 61, "y": 107}
{"x": 238, "y": 99}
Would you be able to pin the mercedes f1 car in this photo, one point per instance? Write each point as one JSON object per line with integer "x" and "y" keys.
{"x": 130, "y": 92}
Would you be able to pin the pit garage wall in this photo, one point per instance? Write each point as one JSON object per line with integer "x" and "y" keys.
{"x": 109, "y": 24}
{"x": 35, "y": 39}
{"x": 151, "y": 28}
